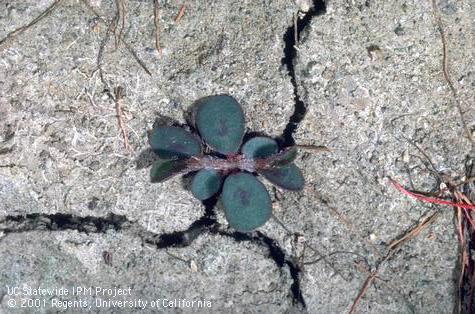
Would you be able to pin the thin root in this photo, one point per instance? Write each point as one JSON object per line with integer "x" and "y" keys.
{"x": 119, "y": 95}
{"x": 156, "y": 20}
{"x": 4, "y": 42}
{"x": 127, "y": 46}
{"x": 181, "y": 13}
{"x": 119, "y": 21}
{"x": 445, "y": 68}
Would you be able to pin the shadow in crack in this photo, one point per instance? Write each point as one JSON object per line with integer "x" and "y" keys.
{"x": 290, "y": 38}
{"x": 276, "y": 253}
{"x": 207, "y": 223}
{"x": 185, "y": 237}
{"x": 59, "y": 222}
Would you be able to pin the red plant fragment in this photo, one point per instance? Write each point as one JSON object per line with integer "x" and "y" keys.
{"x": 430, "y": 199}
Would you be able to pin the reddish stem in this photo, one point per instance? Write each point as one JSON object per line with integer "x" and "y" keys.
{"x": 430, "y": 199}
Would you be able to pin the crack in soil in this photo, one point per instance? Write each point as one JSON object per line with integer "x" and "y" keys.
{"x": 277, "y": 254}
{"x": 186, "y": 237}
{"x": 208, "y": 223}
{"x": 60, "y": 222}
{"x": 119, "y": 223}
{"x": 290, "y": 53}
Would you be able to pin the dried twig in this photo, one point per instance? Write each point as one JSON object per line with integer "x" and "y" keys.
{"x": 134, "y": 54}
{"x": 119, "y": 21}
{"x": 342, "y": 217}
{"x": 465, "y": 225}
{"x": 156, "y": 20}
{"x": 181, "y": 13}
{"x": 100, "y": 56}
{"x": 430, "y": 199}
{"x": 296, "y": 31}
{"x": 397, "y": 243}
{"x": 445, "y": 67}
{"x": 393, "y": 247}
{"x": 21, "y": 29}
{"x": 177, "y": 257}
{"x": 335, "y": 253}
{"x": 414, "y": 232}
{"x": 466, "y": 232}
{"x": 314, "y": 148}
{"x": 322, "y": 256}
{"x": 467, "y": 181}
{"x": 119, "y": 95}
{"x": 369, "y": 280}
{"x": 426, "y": 156}
{"x": 127, "y": 46}
{"x": 388, "y": 284}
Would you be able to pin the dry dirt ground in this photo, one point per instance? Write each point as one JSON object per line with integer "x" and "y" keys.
{"x": 364, "y": 78}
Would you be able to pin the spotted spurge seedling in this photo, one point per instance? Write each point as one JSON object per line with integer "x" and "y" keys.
{"x": 228, "y": 166}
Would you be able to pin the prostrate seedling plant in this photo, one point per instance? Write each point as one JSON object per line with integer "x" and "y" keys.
{"x": 229, "y": 165}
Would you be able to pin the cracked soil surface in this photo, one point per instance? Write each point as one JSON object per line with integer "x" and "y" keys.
{"x": 364, "y": 78}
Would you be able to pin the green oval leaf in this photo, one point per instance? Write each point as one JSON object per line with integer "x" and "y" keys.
{"x": 206, "y": 183}
{"x": 259, "y": 147}
{"x": 173, "y": 142}
{"x": 163, "y": 169}
{"x": 220, "y": 121}
{"x": 288, "y": 177}
{"x": 247, "y": 204}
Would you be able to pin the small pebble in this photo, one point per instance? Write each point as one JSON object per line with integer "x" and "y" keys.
{"x": 304, "y": 5}
{"x": 193, "y": 266}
